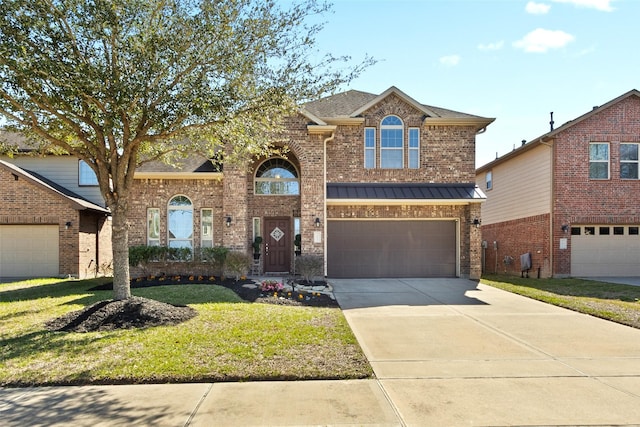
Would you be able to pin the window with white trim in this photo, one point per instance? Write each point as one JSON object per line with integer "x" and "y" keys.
{"x": 488, "y": 179}
{"x": 369, "y": 148}
{"x": 598, "y": 160}
{"x": 628, "y": 161}
{"x": 206, "y": 228}
{"x": 153, "y": 227}
{"x": 414, "y": 148}
{"x": 391, "y": 143}
{"x": 86, "y": 175}
{"x": 277, "y": 177}
{"x": 256, "y": 228}
{"x": 180, "y": 222}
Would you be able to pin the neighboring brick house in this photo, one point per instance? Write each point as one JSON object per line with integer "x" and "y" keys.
{"x": 47, "y": 229}
{"x": 570, "y": 198}
{"x": 376, "y": 185}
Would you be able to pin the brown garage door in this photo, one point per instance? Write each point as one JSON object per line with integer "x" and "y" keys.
{"x": 385, "y": 248}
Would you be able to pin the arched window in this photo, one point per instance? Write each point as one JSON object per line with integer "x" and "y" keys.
{"x": 277, "y": 176}
{"x": 180, "y": 222}
{"x": 391, "y": 143}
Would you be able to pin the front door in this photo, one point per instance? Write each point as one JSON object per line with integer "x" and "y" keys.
{"x": 277, "y": 245}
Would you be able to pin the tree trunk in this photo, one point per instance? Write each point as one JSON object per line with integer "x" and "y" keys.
{"x": 120, "y": 247}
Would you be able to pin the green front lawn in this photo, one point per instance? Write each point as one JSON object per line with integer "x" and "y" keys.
{"x": 618, "y": 303}
{"x": 229, "y": 340}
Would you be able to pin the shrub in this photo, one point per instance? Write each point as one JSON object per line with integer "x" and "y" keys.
{"x": 309, "y": 266}
{"x": 237, "y": 264}
{"x": 216, "y": 256}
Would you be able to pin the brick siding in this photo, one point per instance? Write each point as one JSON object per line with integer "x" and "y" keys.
{"x": 25, "y": 203}
{"x": 447, "y": 156}
{"x": 579, "y": 200}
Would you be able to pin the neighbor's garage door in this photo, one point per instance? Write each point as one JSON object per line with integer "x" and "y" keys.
{"x": 383, "y": 248}
{"x": 28, "y": 250}
{"x": 605, "y": 251}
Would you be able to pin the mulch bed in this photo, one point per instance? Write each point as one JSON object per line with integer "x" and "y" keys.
{"x": 137, "y": 312}
{"x": 249, "y": 293}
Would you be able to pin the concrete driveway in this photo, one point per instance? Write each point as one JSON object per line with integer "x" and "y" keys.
{"x": 453, "y": 352}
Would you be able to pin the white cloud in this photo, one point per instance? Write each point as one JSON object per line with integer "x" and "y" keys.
{"x": 491, "y": 46}
{"x": 541, "y": 40}
{"x": 537, "y": 8}
{"x": 451, "y": 60}
{"x": 603, "y": 5}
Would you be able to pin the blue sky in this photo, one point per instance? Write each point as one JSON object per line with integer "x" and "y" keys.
{"x": 513, "y": 60}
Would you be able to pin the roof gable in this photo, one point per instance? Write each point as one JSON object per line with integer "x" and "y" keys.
{"x": 395, "y": 91}
{"x": 76, "y": 201}
{"x": 349, "y": 107}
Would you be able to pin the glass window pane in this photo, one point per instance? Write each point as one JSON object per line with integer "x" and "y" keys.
{"x": 391, "y": 159}
{"x": 86, "y": 175}
{"x": 414, "y": 138}
{"x": 413, "y": 159}
{"x": 153, "y": 226}
{"x": 370, "y": 137}
{"x": 180, "y": 201}
{"x": 180, "y": 224}
{"x": 599, "y": 170}
{"x": 629, "y": 170}
{"x": 391, "y": 138}
{"x": 369, "y": 159}
{"x": 391, "y": 121}
{"x": 599, "y": 151}
{"x": 619, "y": 231}
{"x": 633, "y": 231}
{"x": 628, "y": 151}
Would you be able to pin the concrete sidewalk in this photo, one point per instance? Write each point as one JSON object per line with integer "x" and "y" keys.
{"x": 446, "y": 352}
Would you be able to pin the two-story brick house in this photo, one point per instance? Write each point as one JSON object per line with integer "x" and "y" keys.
{"x": 569, "y": 198}
{"x": 377, "y": 185}
{"x": 53, "y": 221}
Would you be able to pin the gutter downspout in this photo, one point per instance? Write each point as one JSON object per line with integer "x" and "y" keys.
{"x": 324, "y": 197}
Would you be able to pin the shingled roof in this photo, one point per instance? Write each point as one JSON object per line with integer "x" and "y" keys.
{"x": 352, "y": 102}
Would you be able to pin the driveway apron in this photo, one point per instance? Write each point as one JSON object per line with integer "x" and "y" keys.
{"x": 455, "y": 352}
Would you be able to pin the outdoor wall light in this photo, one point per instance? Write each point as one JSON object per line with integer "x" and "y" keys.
{"x": 67, "y": 225}
{"x": 565, "y": 228}
{"x": 317, "y": 222}
{"x": 476, "y": 222}
{"x": 228, "y": 221}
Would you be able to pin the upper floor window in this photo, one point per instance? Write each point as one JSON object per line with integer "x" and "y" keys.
{"x": 369, "y": 148}
{"x": 86, "y": 175}
{"x": 414, "y": 148}
{"x": 277, "y": 177}
{"x": 488, "y": 178}
{"x": 391, "y": 143}
{"x": 628, "y": 161}
{"x": 598, "y": 160}
{"x": 180, "y": 222}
